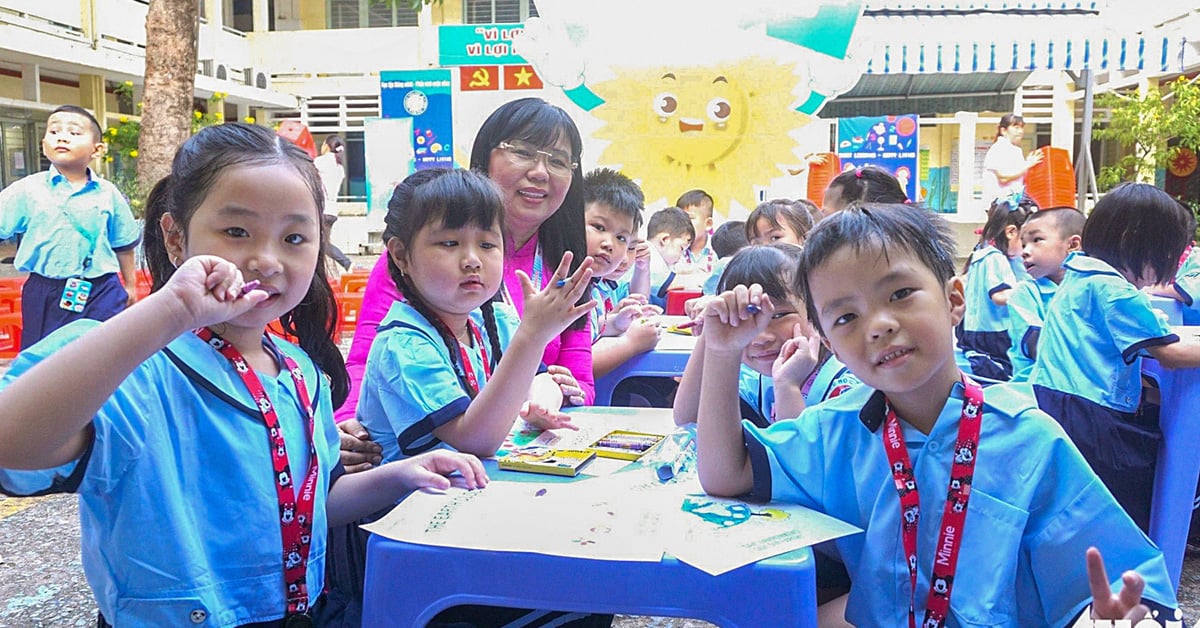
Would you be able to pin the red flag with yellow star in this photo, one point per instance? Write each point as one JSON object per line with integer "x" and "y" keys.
{"x": 474, "y": 78}
{"x": 521, "y": 77}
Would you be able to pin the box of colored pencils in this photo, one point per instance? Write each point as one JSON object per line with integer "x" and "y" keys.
{"x": 625, "y": 445}
{"x": 566, "y": 462}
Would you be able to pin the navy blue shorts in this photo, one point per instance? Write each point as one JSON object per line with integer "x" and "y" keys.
{"x": 1121, "y": 447}
{"x": 987, "y": 351}
{"x": 41, "y": 315}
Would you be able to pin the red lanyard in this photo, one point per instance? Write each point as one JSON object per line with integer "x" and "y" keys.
{"x": 937, "y": 606}
{"x": 468, "y": 370}
{"x": 296, "y": 516}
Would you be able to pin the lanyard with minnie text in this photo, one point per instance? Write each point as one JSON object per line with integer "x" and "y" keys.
{"x": 296, "y": 514}
{"x": 468, "y": 371}
{"x": 937, "y": 606}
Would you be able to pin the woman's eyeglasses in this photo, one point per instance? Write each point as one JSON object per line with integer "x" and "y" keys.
{"x": 525, "y": 155}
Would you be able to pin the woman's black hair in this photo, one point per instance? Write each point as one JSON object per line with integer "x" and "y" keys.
{"x": 869, "y": 184}
{"x": 1137, "y": 225}
{"x": 198, "y": 166}
{"x": 337, "y": 146}
{"x": 540, "y": 123}
{"x": 1007, "y": 120}
{"x": 451, "y": 199}
{"x": 881, "y": 228}
{"x": 770, "y": 266}
{"x": 778, "y": 211}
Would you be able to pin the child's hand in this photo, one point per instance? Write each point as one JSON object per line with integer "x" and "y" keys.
{"x": 623, "y": 318}
{"x": 549, "y": 312}
{"x": 641, "y": 254}
{"x": 545, "y": 418}
{"x": 571, "y": 390}
{"x": 432, "y": 468}
{"x": 1125, "y": 605}
{"x": 208, "y": 290}
{"x": 797, "y": 358}
{"x": 358, "y": 451}
{"x": 633, "y": 299}
{"x": 1034, "y": 158}
{"x": 644, "y": 334}
{"x": 729, "y": 323}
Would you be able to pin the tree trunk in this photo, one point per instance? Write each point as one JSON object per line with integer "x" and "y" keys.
{"x": 171, "y": 32}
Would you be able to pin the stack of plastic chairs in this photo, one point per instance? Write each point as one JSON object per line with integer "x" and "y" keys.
{"x": 350, "y": 298}
{"x": 10, "y": 316}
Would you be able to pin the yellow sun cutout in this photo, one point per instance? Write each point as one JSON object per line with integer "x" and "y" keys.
{"x": 723, "y": 129}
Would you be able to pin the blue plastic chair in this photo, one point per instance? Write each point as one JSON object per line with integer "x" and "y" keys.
{"x": 408, "y": 584}
{"x": 657, "y": 363}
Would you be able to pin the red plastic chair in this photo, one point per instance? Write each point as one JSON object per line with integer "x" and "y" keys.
{"x": 10, "y": 334}
{"x": 354, "y": 282}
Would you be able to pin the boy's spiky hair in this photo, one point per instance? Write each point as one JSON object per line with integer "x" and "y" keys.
{"x": 605, "y": 185}
{"x": 880, "y": 228}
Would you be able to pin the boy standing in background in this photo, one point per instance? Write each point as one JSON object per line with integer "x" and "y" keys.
{"x": 79, "y": 232}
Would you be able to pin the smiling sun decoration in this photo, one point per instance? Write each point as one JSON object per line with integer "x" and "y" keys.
{"x": 722, "y": 128}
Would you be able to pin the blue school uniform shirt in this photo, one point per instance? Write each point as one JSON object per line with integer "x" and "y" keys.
{"x": 177, "y": 497}
{"x": 410, "y": 386}
{"x": 1187, "y": 284}
{"x": 1035, "y": 508}
{"x": 714, "y": 278}
{"x": 64, "y": 225}
{"x": 1026, "y": 312}
{"x": 1095, "y": 331}
{"x": 607, "y": 293}
{"x": 988, "y": 273}
{"x": 757, "y": 391}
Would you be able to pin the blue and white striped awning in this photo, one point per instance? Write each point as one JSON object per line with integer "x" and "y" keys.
{"x": 1161, "y": 54}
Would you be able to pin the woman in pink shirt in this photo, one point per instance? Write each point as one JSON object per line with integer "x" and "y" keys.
{"x": 531, "y": 149}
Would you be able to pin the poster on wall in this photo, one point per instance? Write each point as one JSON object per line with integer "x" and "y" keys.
{"x": 423, "y": 96}
{"x": 389, "y": 158}
{"x": 728, "y": 116}
{"x": 889, "y": 142}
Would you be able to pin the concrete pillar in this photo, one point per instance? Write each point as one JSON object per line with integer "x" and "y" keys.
{"x": 92, "y": 96}
{"x": 262, "y": 17}
{"x": 243, "y": 112}
{"x": 968, "y": 207}
{"x": 1146, "y": 171}
{"x": 1062, "y": 125}
{"x": 31, "y": 82}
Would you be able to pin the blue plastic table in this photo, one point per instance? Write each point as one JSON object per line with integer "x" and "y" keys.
{"x": 408, "y": 584}
{"x": 1178, "y": 465}
{"x": 666, "y": 360}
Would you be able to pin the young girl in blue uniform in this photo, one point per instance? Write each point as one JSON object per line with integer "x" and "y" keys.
{"x": 1186, "y": 286}
{"x": 983, "y": 336}
{"x": 918, "y": 443}
{"x": 450, "y": 367}
{"x": 785, "y": 368}
{"x": 204, "y": 451}
{"x": 1047, "y": 237}
{"x": 1099, "y": 326}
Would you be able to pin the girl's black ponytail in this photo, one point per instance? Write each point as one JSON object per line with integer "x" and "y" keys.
{"x": 489, "y": 323}
{"x": 313, "y": 323}
{"x": 154, "y": 245}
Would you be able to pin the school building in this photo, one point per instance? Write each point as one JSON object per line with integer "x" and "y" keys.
{"x": 956, "y": 65}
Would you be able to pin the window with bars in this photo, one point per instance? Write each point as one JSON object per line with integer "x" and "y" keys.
{"x": 498, "y": 11}
{"x": 370, "y": 13}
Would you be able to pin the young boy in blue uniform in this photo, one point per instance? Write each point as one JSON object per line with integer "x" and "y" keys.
{"x": 879, "y": 285}
{"x": 78, "y": 232}
{"x": 1100, "y": 323}
{"x": 670, "y": 233}
{"x": 1048, "y": 237}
